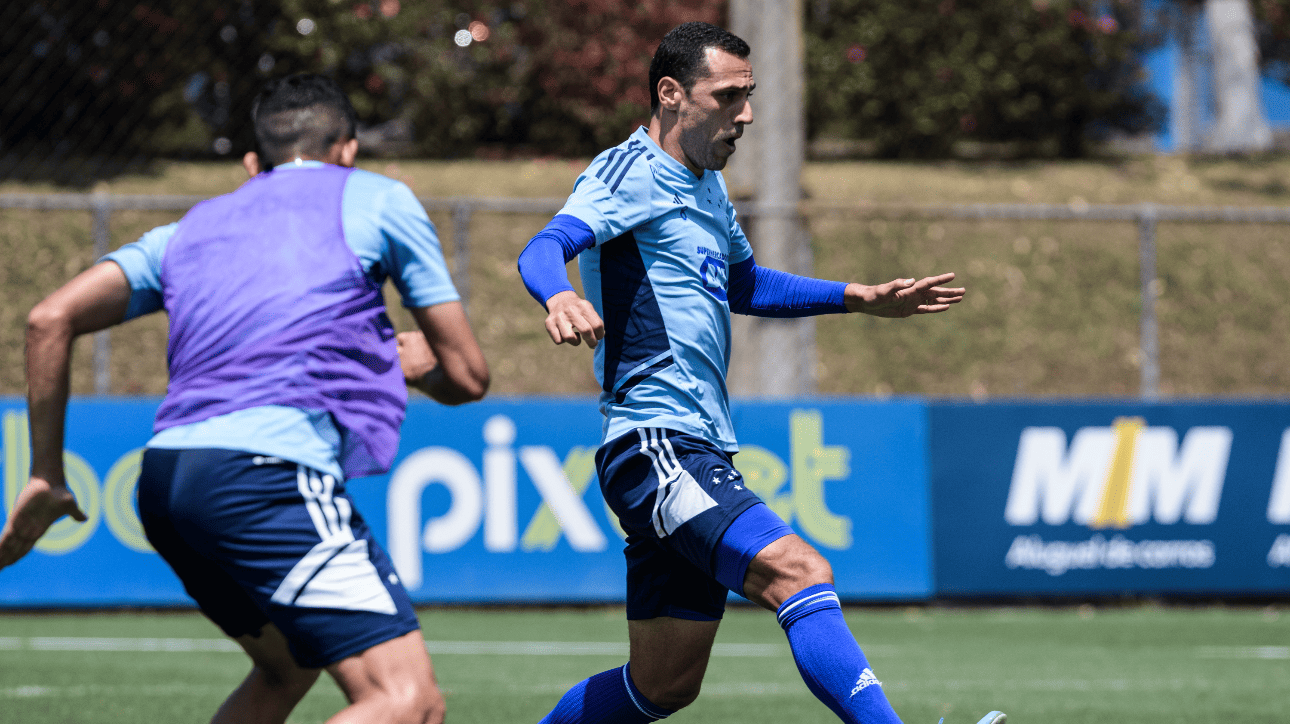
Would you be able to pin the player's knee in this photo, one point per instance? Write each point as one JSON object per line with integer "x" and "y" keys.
{"x": 414, "y": 703}
{"x": 814, "y": 569}
{"x": 677, "y": 695}
{"x": 801, "y": 566}
{"x": 782, "y": 569}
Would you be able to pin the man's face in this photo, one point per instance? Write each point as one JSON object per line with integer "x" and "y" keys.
{"x": 713, "y": 114}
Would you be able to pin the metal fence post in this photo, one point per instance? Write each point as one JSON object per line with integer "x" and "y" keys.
{"x": 1149, "y": 341}
{"x": 101, "y": 233}
{"x": 461, "y": 213}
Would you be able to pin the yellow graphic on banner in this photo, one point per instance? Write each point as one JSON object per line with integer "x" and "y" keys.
{"x": 813, "y": 463}
{"x": 544, "y": 529}
{"x": 766, "y": 475}
{"x": 1113, "y": 511}
{"x": 118, "y": 501}
{"x": 66, "y": 534}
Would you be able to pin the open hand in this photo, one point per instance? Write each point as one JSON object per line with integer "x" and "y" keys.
{"x": 904, "y": 297}
{"x": 37, "y": 507}
{"x": 573, "y": 320}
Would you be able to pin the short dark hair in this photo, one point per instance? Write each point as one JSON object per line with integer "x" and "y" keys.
{"x": 683, "y": 55}
{"x": 300, "y": 115}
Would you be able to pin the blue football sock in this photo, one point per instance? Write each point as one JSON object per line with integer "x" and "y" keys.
{"x": 830, "y": 660}
{"x": 607, "y": 697}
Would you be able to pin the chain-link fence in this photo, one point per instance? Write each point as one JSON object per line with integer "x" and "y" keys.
{"x": 1041, "y": 276}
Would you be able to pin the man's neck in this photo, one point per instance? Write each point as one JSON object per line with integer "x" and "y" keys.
{"x": 662, "y": 131}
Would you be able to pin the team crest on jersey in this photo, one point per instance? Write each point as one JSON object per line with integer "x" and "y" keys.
{"x": 714, "y": 272}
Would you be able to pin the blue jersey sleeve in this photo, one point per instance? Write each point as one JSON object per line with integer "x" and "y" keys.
{"x": 614, "y": 195}
{"x": 762, "y": 292}
{"x": 141, "y": 263}
{"x": 392, "y": 236}
{"x": 542, "y": 261}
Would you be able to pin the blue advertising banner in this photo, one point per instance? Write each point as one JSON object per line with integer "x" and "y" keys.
{"x": 498, "y": 501}
{"x": 1109, "y": 498}
{"x": 106, "y": 560}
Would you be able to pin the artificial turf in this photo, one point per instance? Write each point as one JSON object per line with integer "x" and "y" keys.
{"x": 1079, "y": 665}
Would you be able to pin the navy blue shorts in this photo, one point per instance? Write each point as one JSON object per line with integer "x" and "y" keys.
{"x": 257, "y": 539}
{"x": 677, "y": 496}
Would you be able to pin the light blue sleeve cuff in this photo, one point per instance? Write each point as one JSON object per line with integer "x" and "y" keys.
{"x": 140, "y": 261}
{"x": 386, "y": 225}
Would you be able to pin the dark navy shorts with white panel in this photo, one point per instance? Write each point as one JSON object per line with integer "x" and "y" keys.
{"x": 692, "y": 526}
{"x": 258, "y": 539}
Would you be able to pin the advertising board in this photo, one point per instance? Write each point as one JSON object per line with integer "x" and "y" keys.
{"x": 499, "y": 501}
{"x": 1110, "y": 498}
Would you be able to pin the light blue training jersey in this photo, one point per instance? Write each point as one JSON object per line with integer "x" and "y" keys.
{"x": 658, "y": 276}
{"x": 388, "y": 230}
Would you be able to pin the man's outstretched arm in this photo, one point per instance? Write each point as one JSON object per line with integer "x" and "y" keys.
{"x": 93, "y": 300}
{"x": 570, "y": 318}
{"x": 763, "y": 292}
{"x": 443, "y": 360}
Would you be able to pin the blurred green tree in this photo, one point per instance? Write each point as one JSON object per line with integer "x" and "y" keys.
{"x": 90, "y": 87}
{"x": 916, "y": 77}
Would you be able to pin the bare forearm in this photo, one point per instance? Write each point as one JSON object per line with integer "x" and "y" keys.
{"x": 452, "y": 370}
{"x": 48, "y": 353}
{"x": 95, "y": 299}
{"x": 442, "y": 388}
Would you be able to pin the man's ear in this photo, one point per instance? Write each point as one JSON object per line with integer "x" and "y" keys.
{"x": 670, "y": 93}
{"x": 251, "y": 162}
{"x": 348, "y": 152}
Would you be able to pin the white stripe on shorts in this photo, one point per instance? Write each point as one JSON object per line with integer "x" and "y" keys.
{"x": 679, "y": 496}
{"x": 337, "y": 572}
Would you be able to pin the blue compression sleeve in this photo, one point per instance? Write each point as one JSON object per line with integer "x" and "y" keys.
{"x": 747, "y": 535}
{"x": 542, "y": 261}
{"x": 762, "y": 292}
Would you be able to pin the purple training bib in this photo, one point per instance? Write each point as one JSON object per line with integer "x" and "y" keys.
{"x": 269, "y": 306}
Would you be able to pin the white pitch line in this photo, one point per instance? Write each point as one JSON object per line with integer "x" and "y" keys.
{"x": 1243, "y": 652}
{"x": 78, "y": 643}
{"x": 36, "y": 691}
{"x": 470, "y": 648}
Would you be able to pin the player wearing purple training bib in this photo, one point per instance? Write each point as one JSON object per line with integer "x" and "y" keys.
{"x": 663, "y": 263}
{"x": 286, "y": 379}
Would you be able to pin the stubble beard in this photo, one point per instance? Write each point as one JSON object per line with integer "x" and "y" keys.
{"x": 702, "y": 152}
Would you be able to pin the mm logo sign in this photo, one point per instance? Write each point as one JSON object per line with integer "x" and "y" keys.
{"x": 1119, "y": 476}
{"x": 1111, "y": 479}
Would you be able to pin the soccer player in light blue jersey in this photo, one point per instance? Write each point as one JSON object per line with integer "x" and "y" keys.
{"x": 663, "y": 264}
{"x": 286, "y": 379}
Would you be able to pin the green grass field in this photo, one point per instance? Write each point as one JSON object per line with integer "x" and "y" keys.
{"x": 1143, "y": 664}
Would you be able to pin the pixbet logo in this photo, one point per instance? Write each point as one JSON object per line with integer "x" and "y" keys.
{"x": 795, "y": 491}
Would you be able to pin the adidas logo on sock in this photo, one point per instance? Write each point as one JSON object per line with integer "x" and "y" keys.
{"x": 866, "y": 680}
